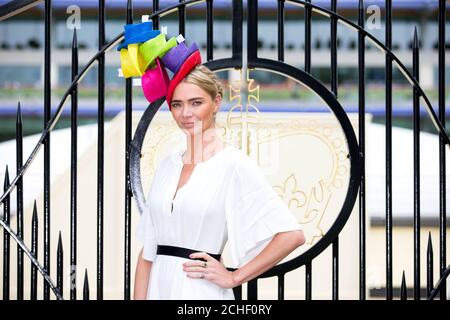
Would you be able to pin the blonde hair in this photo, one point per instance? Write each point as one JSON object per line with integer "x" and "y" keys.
{"x": 203, "y": 77}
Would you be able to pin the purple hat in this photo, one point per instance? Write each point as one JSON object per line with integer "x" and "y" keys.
{"x": 138, "y": 33}
{"x": 177, "y": 55}
{"x": 186, "y": 67}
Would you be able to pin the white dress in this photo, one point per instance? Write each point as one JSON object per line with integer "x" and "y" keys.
{"x": 227, "y": 198}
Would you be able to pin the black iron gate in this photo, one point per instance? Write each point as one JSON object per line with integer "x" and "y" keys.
{"x": 133, "y": 188}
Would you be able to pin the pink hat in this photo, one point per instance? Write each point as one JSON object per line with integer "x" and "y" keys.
{"x": 155, "y": 82}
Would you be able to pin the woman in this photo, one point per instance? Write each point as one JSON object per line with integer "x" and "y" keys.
{"x": 201, "y": 197}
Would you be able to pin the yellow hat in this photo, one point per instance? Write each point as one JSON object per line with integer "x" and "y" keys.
{"x": 132, "y": 62}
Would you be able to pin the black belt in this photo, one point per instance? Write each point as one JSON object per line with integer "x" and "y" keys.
{"x": 181, "y": 252}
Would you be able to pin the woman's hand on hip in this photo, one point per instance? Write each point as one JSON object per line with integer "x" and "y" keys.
{"x": 211, "y": 270}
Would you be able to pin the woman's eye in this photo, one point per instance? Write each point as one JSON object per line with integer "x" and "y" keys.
{"x": 197, "y": 103}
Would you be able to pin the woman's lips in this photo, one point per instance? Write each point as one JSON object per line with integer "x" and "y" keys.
{"x": 188, "y": 124}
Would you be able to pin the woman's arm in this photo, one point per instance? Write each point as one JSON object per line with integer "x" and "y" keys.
{"x": 279, "y": 247}
{"x": 142, "y": 276}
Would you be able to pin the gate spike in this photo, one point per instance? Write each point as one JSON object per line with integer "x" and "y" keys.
{"x": 429, "y": 265}
{"x": 430, "y": 244}
{"x": 74, "y": 39}
{"x": 34, "y": 218}
{"x": 60, "y": 267}
{"x": 416, "y": 40}
{"x": 86, "y": 286}
{"x": 34, "y": 249}
{"x": 403, "y": 290}
{"x": 6, "y": 183}
{"x": 19, "y": 114}
{"x": 60, "y": 247}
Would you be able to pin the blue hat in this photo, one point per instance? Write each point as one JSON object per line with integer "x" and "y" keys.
{"x": 138, "y": 33}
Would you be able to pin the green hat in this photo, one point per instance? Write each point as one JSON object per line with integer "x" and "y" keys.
{"x": 156, "y": 47}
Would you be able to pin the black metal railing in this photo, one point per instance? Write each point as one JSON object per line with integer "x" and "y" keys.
{"x": 133, "y": 188}
{"x": 46, "y": 141}
{"x": 19, "y": 161}
{"x": 388, "y": 128}
{"x": 362, "y": 150}
{"x": 100, "y": 148}
{"x": 13, "y": 8}
{"x": 73, "y": 170}
{"x": 442, "y": 143}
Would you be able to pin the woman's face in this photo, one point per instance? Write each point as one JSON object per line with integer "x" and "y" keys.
{"x": 193, "y": 108}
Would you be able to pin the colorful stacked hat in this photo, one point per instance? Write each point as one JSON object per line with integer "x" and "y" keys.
{"x": 155, "y": 82}
{"x": 147, "y": 54}
{"x": 185, "y": 66}
{"x": 131, "y": 61}
{"x": 138, "y": 33}
{"x": 175, "y": 57}
{"x": 156, "y": 47}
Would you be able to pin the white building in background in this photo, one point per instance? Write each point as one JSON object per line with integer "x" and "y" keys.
{"x": 21, "y": 57}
